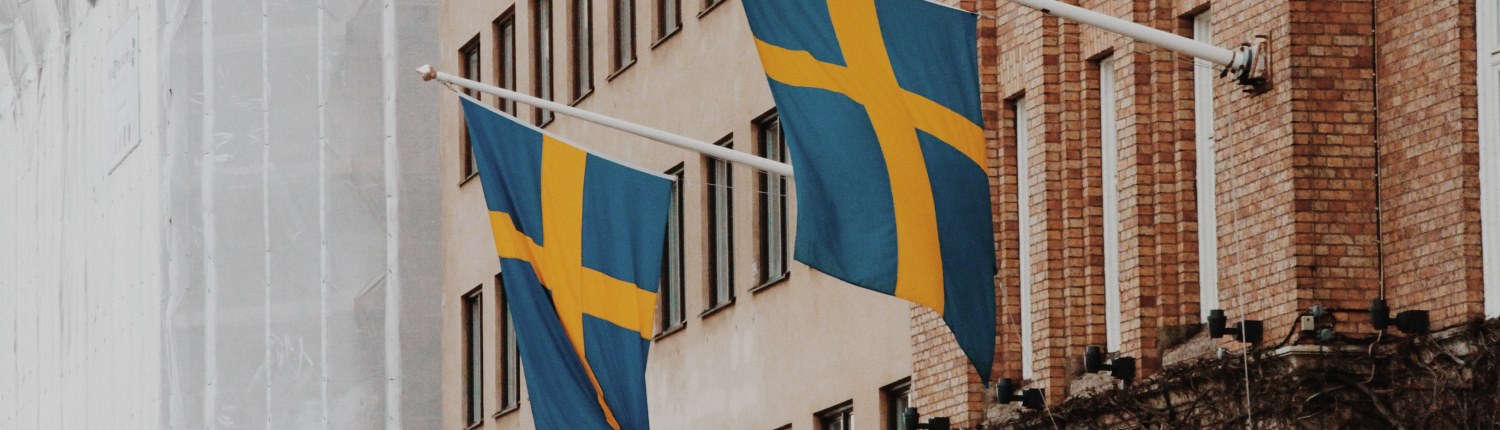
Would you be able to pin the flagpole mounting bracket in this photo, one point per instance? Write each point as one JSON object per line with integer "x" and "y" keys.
{"x": 1250, "y": 66}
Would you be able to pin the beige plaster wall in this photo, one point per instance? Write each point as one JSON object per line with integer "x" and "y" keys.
{"x": 776, "y": 356}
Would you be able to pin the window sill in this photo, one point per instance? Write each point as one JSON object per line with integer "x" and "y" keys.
{"x": 664, "y": 37}
{"x": 778, "y": 280}
{"x": 581, "y": 97}
{"x": 619, "y": 71}
{"x": 711, "y": 8}
{"x": 469, "y": 177}
{"x": 475, "y": 425}
{"x": 717, "y": 309}
{"x": 507, "y": 411}
{"x": 669, "y": 331}
{"x": 544, "y": 124}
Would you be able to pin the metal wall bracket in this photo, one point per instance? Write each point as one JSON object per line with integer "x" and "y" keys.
{"x": 1251, "y": 66}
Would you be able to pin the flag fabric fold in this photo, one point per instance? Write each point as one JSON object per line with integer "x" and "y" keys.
{"x": 579, "y": 238}
{"x": 879, "y": 100}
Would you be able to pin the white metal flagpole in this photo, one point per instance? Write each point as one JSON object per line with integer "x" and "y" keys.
{"x": 428, "y": 73}
{"x": 1240, "y": 63}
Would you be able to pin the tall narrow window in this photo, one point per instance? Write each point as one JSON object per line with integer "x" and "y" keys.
{"x": 1109, "y": 164}
{"x": 897, "y": 398}
{"x": 1203, "y": 130}
{"x": 1489, "y": 150}
{"x": 541, "y": 50}
{"x": 839, "y": 417}
{"x": 771, "y": 198}
{"x": 510, "y": 362}
{"x": 469, "y": 65}
{"x": 709, "y": 4}
{"x": 719, "y": 181}
{"x": 624, "y": 44}
{"x": 473, "y": 310}
{"x": 668, "y": 18}
{"x": 671, "y": 304}
{"x": 1023, "y": 225}
{"x": 505, "y": 57}
{"x": 583, "y": 48}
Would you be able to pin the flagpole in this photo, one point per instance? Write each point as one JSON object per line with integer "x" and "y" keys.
{"x": 1243, "y": 62}
{"x": 429, "y": 73}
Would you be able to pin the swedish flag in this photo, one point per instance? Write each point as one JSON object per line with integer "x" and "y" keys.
{"x": 880, "y": 103}
{"x": 579, "y": 239}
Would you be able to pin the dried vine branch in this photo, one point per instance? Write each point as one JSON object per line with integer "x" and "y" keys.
{"x": 1411, "y": 382}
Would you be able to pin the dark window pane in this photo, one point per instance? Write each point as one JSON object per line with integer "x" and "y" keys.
{"x": 583, "y": 48}
{"x": 671, "y": 289}
{"x": 474, "y": 356}
{"x": 772, "y": 201}
{"x": 505, "y": 57}
{"x": 668, "y": 17}
{"x": 542, "y": 50}
{"x": 624, "y": 44}
{"x": 469, "y": 65}
{"x": 837, "y": 418}
{"x": 719, "y": 182}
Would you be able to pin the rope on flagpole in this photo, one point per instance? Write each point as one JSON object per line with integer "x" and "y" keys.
{"x": 429, "y": 74}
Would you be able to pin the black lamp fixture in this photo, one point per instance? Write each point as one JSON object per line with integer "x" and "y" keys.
{"x": 1409, "y": 322}
{"x": 910, "y": 418}
{"x": 1005, "y": 392}
{"x": 1247, "y": 331}
{"x": 1122, "y": 368}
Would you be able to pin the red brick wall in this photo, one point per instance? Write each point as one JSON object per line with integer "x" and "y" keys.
{"x": 1429, "y": 158}
{"x": 943, "y": 381}
{"x": 1298, "y": 220}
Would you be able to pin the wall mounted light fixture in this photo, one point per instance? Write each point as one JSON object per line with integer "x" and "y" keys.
{"x": 1006, "y": 392}
{"x": 1247, "y": 331}
{"x": 1122, "y": 368}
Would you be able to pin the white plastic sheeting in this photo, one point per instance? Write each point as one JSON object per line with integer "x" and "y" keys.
{"x": 266, "y": 258}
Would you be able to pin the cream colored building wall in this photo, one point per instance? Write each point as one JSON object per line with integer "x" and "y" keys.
{"x": 774, "y": 357}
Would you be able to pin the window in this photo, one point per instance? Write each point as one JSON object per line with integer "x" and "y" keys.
{"x": 505, "y": 57}
{"x": 624, "y": 52}
{"x": 709, "y": 5}
{"x": 473, "y": 356}
{"x": 541, "y": 49}
{"x": 839, "y": 417}
{"x": 1489, "y": 151}
{"x": 719, "y": 181}
{"x": 583, "y": 48}
{"x": 671, "y": 303}
{"x": 468, "y": 64}
{"x": 1023, "y": 223}
{"x": 1109, "y": 164}
{"x": 510, "y": 362}
{"x": 668, "y": 18}
{"x": 1203, "y": 126}
{"x": 771, "y": 195}
{"x": 897, "y": 398}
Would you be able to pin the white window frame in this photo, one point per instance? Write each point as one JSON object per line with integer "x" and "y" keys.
{"x": 1109, "y": 154}
{"x": 1489, "y": 149}
{"x": 772, "y": 210}
{"x": 1208, "y": 211}
{"x": 672, "y": 308}
{"x": 473, "y": 320}
{"x": 1023, "y": 225}
{"x": 720, "y": 185}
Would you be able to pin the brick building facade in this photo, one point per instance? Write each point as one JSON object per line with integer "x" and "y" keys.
{"x": 1355, "y": 175}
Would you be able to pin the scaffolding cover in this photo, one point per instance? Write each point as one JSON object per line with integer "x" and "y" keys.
{"x": 269, "y": 255}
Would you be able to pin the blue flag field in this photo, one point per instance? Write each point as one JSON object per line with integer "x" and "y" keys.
{"x": 579, "y": 239}
{"x": 881, "y": 108}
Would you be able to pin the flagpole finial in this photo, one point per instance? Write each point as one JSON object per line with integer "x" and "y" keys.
{"x": 428, "y": 73}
